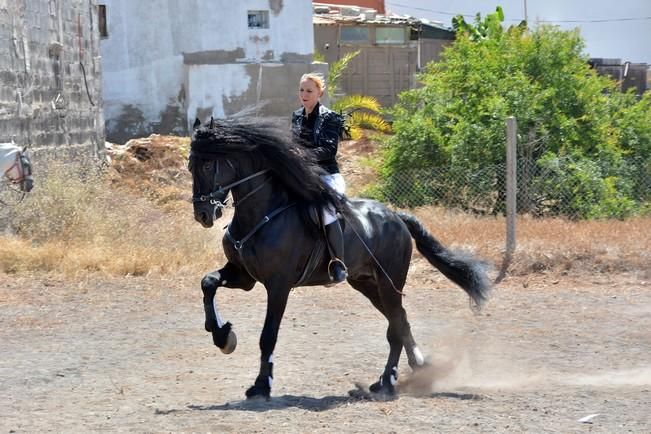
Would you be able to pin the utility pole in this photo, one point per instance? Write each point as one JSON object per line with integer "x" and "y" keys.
{"x": 526, "y": 17}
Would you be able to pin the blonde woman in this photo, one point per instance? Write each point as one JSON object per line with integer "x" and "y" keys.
{"x": 318, "y": 129}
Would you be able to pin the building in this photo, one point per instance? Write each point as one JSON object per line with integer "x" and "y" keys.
{"x": 628, "y": 75}
{"x": 392, "y": 48}
{"x": 166, "y": 62}
{"x": 50, "y": 92}
{"x": 377, "y": 5}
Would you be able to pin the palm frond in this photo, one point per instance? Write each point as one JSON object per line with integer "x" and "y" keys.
{"x": 336, "y": 69}
{"x": 370, "y": 121}
{"x": 351, "y": 103}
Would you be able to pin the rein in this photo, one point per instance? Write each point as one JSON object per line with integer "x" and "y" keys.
{"x": 22, "y": 197}
{"x": 361, "y": 240}
{"x": 252, "y": 192}
{"x": 238, "y": 244}
{"x": 221, "y": 190}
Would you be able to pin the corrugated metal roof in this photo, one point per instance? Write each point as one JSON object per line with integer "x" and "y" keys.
{"x": 367, "y": 16}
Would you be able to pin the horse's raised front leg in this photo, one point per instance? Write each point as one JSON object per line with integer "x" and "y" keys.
{"x": 230, "y": 276}
{"x": 276, "y": 303}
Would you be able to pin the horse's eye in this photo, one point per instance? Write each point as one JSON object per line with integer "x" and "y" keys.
{"x": 207, "y": 166}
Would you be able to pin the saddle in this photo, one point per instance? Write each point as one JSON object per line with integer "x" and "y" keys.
{"x": 314, "y": 212}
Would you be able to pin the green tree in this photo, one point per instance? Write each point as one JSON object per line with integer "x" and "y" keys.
{"x": 566, "y": 113}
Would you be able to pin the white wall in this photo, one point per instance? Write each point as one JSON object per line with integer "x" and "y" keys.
{"x": 143, "y": 56}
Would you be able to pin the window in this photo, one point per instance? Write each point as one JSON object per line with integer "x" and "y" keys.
{"x": 103, "y": 28}
{"x": 354, "y": 34}
{"x": 258, "y": 19}
{"x": 390, "y": 35}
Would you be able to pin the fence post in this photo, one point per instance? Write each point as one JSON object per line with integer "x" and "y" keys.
{"x": 511, "y": 182}
{"x": 511, "y": 193}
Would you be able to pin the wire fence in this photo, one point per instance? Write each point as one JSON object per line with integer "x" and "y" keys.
{"x": 553, "y": 187}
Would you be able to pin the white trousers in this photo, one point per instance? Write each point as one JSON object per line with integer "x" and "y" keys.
{"x": 337, "y": 183}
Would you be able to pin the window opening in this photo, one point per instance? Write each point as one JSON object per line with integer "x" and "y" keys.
{"x": 258, "y": 19}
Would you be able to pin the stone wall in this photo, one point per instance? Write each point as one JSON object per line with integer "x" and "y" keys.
{"x": 50, "y": 76}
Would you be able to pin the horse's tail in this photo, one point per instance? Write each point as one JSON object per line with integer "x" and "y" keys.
{"x": 461, "y": 268}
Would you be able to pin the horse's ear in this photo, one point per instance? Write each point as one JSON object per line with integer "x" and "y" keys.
{"x": 212, "y": 122}
{"x": 197, "y": 123}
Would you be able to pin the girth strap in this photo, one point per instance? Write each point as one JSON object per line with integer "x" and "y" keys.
{"x": 312, "y": 262}
{"x": 238, "y": 244}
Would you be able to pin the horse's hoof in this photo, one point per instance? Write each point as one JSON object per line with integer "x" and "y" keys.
{"x": 224, "y": 338}
{"x": 383, "y": 390}
{"x": 231, "y": 343}
{"x": 258, "y": 391}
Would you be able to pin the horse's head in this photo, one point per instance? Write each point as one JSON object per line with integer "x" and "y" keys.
{"x": 212, "y": 178}
{"x": 18, "y": 168}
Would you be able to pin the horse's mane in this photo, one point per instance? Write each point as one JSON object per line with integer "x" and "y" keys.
{"x": 290, "y": 163}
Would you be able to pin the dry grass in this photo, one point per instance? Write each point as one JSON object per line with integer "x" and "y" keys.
{"x": 76, "y": 223}
{"x": 548, "y": 244}
{"x": 136, "y": 219}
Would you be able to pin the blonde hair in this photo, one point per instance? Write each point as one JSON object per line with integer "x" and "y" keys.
{"x": 317, "y": 78}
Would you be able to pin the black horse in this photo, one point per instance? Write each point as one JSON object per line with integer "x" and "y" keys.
{"x": 274, "y": 238}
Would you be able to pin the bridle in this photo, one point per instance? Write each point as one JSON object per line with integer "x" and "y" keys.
{"x": 24, "y": 169}
{"x": 216, "y": 196}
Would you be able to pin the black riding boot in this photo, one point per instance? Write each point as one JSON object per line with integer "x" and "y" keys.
{"x": 335, "y": 236}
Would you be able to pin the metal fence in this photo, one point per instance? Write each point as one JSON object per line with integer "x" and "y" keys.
{"x": 529, "y": 182}
{"x": 543, "y": 190}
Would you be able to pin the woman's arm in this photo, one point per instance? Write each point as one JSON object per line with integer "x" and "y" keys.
{"x": 327, "y": 140}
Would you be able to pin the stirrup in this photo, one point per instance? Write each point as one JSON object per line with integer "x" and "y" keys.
{"x": 345, "y": 270}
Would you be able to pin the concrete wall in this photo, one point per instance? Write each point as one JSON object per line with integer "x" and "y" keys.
{"x": 50, "y": 76}
{"x": 381, "y": 71}
{"x": 166, "y": 62}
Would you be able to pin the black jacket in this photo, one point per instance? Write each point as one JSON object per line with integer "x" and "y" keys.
{"x": 323, "y": 138}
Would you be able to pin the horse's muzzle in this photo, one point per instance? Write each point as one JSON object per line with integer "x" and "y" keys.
{"x": 207, "y": 215}
{"x": 27, "y": 185}
{"x": 204, "y": 218}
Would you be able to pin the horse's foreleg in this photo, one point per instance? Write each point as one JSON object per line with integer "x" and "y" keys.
{"x": 276, "y": 303}
{"x": 232, "y": 277}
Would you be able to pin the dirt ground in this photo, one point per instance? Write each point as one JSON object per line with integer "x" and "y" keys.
{"x": 131, "y": 355}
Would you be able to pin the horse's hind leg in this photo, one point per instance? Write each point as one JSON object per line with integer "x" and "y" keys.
{"x": 414, "y": 356}
{"x": 388, "y": 301}
{"x": 229, "y": 276}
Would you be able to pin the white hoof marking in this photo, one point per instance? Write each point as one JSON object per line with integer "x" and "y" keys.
{"x": 220, "y": 323}
{"x": 420, "y": 360}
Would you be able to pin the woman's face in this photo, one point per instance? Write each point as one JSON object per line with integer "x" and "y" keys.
{"x": 308, "y": 94}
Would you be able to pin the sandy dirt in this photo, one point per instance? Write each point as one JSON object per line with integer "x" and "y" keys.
{"x": 131, "y": 355}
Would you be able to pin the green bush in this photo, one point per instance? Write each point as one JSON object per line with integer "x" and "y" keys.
{"x": 454, "y": 125}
